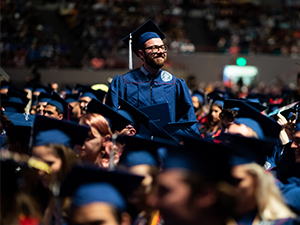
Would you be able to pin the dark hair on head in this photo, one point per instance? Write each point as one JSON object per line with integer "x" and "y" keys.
{"x": 298, "y": 75}
{"x": 225, "y": 198}
{"x": 216, "y": 104}
{"x": 229, "y": 113}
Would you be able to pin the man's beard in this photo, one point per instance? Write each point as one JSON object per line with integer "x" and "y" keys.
{"x": 156, "y": 62}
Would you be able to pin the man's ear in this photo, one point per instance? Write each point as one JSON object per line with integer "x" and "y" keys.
{"x": 207, "y": 198}
{"x": 60, "y": 116}
{"x": 126, "y": 218}
{"x": 141, "y": 54}
{"x": 132, "y": 132}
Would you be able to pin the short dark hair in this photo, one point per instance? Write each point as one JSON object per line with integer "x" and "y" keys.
{"x": 58, "y": 110}
{"x": 226, "y": 199}
{"x": 229, "y": 113}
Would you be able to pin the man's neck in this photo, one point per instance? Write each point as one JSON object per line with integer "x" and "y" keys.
{"x": 149, "y": 69}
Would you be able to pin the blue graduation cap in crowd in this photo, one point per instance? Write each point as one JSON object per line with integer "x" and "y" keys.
{"x": 218, "y": 100}
{"x": 136, "y": 116}
{"x": 4, "y": 84}
{"x": 20, "y": 119}
{"x": 72, "y": 98}
{"x": 20, "y": 127}
{"x": 44, "y": 97}
{"x": 247, "y": 150}
{"x": 142, "y": 34}
{"x": 38, "y": 87}
{"x": 60, "y": 103}
{"x": 140, "y": 151}
{"x": 86, "y": 184}
{"x": 199, "y": 95}
{"x": 116, "y": 120}
{"x": 67, "y": 90}
{"x": 62, "y": 132}
{"x": 257, "y": 97}
{"x": 89, "y": 92}
{"x": 16, "y": 101}
{"x": 206, "y": 159}
{"x": 264, "y": 126}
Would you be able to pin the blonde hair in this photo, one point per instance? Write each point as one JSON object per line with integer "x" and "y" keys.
{"x": 269, "y": 200}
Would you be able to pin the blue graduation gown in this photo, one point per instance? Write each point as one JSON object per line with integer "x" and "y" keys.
{"x": 291, "y": 193}
{"x": 141, "y": 91}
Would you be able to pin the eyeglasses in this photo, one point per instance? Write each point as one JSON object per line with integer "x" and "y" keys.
{"x": 155, "y": 48}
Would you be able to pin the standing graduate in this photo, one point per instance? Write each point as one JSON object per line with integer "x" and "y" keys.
{"x": 150, "y": 84}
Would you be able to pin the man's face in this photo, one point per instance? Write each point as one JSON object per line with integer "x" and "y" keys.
{"x": 93, "y": 213}
{"x": 173, "y": 197}
{"x": 50, "y": 111}
{"x": 158, "y": 59}
{"x": 40, "y": 108}
{"x": 83, "y": 103}
{"x": 296, "y": 146}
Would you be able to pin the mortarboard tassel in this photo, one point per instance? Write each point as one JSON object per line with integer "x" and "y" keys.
{"x": 130, "y": 51}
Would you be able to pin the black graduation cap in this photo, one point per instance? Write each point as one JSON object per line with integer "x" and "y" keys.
{"x": 158, "y": 113}
{"x": 68, "y": 89}
{"x": 93, "y": 94}
{"x": 4, "y": 84}
{"x": 9, "y": 85}
{"x": 136, "y": 116}
{"x": 38, "y": 87}
{"x": 270, "y": 127}
{"x": 176, "y": 126}
{"x": 142, "y": 34}
{"x": 235, "y": 104}
{"x": 60, "y": 103}
{"x": 141, "y": 151}
{"x": 247, "y": 150}
{"x": 44, "y": 97}
{"x": 207, "y": 159}
{"x": 78, "y": 87}
{"x": 4, "y": 97}
{"x": 20, "y": 127}
{"x": 18, "y": 96}
{"x": 16, "y": 101}
{"x": 263, "y": 98}
{"x": 52, "y": 131}
{"x": 285, "y": 110}
{"x": 223, "y": 94}
{"x": 86, "y": 184}
{"x": 72, "y": 98}
{"x": 157, "y": 133}
{"x": 116, "y": 120}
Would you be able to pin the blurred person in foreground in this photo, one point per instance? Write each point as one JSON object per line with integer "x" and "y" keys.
{"x": 259, "y": 199}
{"x": 98, "y": 196}
{"x": 53, "y": 158}
{"x": 195, "y": 185}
